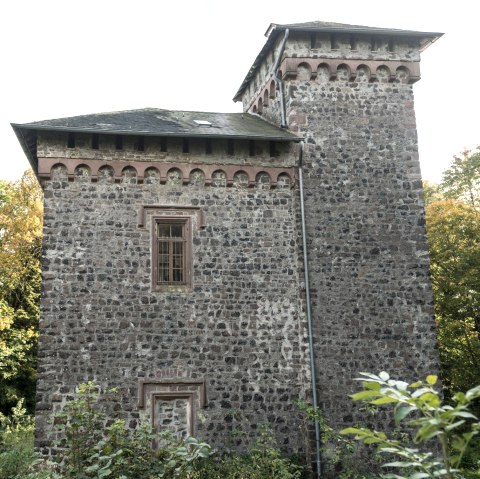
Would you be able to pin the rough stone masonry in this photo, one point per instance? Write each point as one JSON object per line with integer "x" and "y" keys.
{"x": 173, "y": 264}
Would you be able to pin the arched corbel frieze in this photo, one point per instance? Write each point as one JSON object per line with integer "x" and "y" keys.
{"x": 338, "y": 69}
{"x": 163, "y": 173}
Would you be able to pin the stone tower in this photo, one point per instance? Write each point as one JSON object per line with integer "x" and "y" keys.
{"x": 347, "y": 90}
{"x": 174, "y": 265}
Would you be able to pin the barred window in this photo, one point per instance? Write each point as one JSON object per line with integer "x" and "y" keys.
{"x": 171, "y": 258}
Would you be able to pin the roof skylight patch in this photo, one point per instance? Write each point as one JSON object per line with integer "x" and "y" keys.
{"x": 202, "y": 123}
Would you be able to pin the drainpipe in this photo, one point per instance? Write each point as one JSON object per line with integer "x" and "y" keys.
{"x": 279, "y": 81}
{"x": 309, "y": 314}
{"x": 313, "y": 374}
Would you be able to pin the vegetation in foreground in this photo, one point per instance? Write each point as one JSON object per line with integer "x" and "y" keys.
{"x": 438, "y": 440}
{"x": 95, "y": 451}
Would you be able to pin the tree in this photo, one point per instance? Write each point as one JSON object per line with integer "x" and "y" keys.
{"x": 453, "y": 226}
{"x": 462, "y": 180}
{"x": 20, "y": 284}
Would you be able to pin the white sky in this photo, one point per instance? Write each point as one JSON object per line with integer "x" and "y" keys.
{"x": 65, "y": 58}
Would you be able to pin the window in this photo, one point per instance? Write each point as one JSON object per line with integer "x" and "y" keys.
{"x": 251, "y": 148}
{"x": 171, "y": 254}
{"x": 139, "y": 144}
{"x": 95, "y": 141}
{"x": 173, "y": 402}
{"x": 208, "y": 146}
{"x": 273, "y": 149}
{"x": 119, "y": 142}
{"x": 230, "y": 147}
{"x": 163, "y": 144}
{"x": 71, "y": 140}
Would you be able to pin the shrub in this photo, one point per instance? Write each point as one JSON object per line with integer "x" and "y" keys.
{"x": 17, "y": 457}
{"x": 420, "y": 408}
{"x": 93, "y": 450}
{"x": 263, "y": 460}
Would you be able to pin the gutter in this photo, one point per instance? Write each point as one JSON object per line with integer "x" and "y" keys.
{"x": 309, "y": 315}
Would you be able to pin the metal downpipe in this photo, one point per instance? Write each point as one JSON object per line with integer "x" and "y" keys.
{"x": 279, "y": 83}
{"x": 309, "y": 316}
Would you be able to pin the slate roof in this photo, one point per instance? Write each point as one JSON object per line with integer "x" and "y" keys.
{"x": 156, "y": 122}
{"x": 274, "y": 30}
{"x": 333, "y": 27}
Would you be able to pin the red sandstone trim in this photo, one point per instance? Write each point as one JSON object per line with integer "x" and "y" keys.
{"x": 45, "y": 166}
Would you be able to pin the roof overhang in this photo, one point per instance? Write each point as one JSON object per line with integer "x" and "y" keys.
{"x": 155, "y": 123}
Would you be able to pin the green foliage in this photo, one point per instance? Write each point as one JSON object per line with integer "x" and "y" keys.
{"x": 419, "y": 405}
{"x": 20, "y": 283}
{"x": 16, "y": 454}
{"x": 453, "y": 226}
{"x": 263, "y": 460}
{"x": 96, "y": 450}
{"x": 181, "y": 457}
{"x": 462, "y": 180}
{"x": 17, "y": 457}
{"x": 16, "y": 443}
{"x": 341, "y": 458}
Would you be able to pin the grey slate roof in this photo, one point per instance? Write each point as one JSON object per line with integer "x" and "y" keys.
{"x": 156, "y": 122}
{"x": 274, "y": 30}
{"x": 333, "y": 27}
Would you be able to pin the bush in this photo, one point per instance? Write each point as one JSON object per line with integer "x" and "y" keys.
{"x": 419, "y": 406}
{"x": 262, "y": 461}
{"x": 93, "y": 448}
{"x": 16, "y": 454}
{"x": 17, "y": 457}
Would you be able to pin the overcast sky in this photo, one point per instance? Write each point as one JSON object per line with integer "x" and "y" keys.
{"x": 66, "y": 58}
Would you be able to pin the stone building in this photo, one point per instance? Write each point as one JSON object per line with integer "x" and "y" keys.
{"x": 174, "y": 263}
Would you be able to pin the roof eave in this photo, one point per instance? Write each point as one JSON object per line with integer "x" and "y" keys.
{"x": 31, "y": 155}
{"x": 355, "y": 29}
{"x": 18, "y": 130}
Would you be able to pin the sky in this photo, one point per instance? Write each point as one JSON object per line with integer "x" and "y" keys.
{"x": 69, "y": 57}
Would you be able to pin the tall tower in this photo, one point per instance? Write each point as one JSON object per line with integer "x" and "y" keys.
{"x": 347, "y": 90}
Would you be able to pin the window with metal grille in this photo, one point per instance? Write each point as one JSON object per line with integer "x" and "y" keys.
{"x": 171, "y": 253}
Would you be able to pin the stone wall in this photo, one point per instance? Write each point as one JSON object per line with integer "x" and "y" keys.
{"x": 235, "y": 342}
{"x": 367, "y": 248}
{"x": 366, "y": 238}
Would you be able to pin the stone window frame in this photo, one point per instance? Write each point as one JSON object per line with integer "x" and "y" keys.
{"x": 185, "y": 285}
{"x": 193, "y": 390}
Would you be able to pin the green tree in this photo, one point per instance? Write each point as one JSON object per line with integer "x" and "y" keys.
{"x": 453, "y": 226}
{"x": 20, "y": 284}
{"x": 462, "y": 180}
